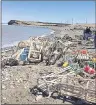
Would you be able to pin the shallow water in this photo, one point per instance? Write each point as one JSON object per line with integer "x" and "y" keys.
{"x": 12, "y": 34}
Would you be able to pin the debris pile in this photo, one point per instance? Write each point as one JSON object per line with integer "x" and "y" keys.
{"x": 76, "y": 80}
{"x": 65, "y": 84}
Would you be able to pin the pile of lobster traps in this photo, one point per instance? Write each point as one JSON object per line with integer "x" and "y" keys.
{"x": 65, "y": 84}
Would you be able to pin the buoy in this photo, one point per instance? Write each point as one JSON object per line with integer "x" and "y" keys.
{"x": 86, "y": 68}
{"x": 89, "y": 70}
{"x": 65, "y": 64}
{"x": 94, "y": 60}
{"x": 83, "y": 51}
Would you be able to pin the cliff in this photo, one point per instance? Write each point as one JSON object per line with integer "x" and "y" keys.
{"x": 33, "y": 23}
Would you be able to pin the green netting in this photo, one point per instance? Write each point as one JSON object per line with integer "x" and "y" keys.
{"x": 76, "y": 68}
{"x": 91, "y": 64}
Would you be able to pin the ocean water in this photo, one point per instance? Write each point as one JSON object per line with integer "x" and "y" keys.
{"x": 12, "y": 34}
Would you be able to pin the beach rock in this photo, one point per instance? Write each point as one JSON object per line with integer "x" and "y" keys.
{"x": 12, "y": 62}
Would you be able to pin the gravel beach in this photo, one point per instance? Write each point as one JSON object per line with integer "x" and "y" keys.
{"x": 16, "y": 80}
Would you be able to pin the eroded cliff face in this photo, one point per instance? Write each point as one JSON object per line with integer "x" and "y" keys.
{"x": 11, "y": 22}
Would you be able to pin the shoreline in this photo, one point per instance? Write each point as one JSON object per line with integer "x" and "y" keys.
{"x": 56, "y": 31}
{"x": 15, "y": 43}
{"x": 18, "y": 79}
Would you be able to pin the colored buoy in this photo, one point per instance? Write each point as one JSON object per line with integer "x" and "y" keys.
{"x": 65, "y": 64}
{"x": 89, "y": 70}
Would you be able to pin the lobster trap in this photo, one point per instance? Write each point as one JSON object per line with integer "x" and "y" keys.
{"x": 65, "y": 83}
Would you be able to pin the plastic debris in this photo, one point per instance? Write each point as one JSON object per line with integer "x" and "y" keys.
{"x": 75, "y": 81}
{"x": 65, "y": 64}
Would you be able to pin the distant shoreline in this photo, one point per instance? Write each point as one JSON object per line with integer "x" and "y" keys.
{"x": 35, "y": 23}
{"x": 56, "y": 30}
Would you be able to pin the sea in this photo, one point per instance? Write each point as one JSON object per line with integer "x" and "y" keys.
{"x": 12, "y": 34}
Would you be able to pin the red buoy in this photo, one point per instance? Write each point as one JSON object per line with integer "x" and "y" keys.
{"x": 89, "y": 70}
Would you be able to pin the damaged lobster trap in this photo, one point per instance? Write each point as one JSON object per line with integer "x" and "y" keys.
{"x": 65, "y": 84}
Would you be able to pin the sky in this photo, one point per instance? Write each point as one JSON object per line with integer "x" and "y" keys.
{"x": 49, "y": 11}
